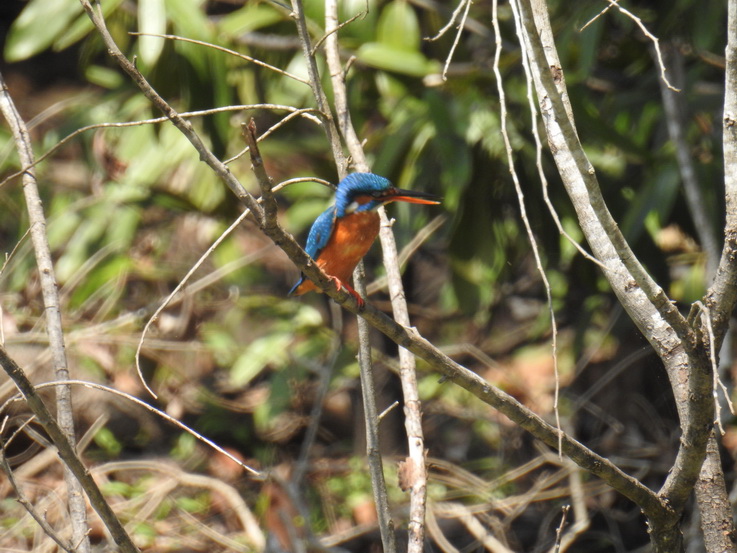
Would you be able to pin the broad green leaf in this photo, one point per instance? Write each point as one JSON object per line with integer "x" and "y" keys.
{"x": 82, "y": 26}
{"x": 151, "y": 20}
{"x": 37, "y": 26}
{"x": 390, "y": 58}
{"x": 398, "y": 27}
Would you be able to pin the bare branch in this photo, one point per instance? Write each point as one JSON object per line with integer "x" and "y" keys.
{"x": 417, "y": 483}
{"x": 523, "y": 215}
{"x": 23, "y": 500}
{"x": 648, "y": 34}
{"x": 185, "y": 115}
{"x": 410, "y": 339}
{"x": 67, "y": 453}
{"x": 179, "y": 287}
{"x": 141, "y": 403}
{"x": 50, "y": 293}
{"x": 722, "y": 296}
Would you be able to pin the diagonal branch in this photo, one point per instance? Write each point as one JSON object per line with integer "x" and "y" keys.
{"x": 67, "y": 453}
{"x": 386, "y": 525}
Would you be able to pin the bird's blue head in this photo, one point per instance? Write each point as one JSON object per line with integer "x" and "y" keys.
{"x": 365, "y": 191}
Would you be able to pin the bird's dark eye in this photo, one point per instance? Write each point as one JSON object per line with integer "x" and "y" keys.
{"x": 376, "y": 194}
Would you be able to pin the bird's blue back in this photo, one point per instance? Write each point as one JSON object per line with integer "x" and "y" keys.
{"x": 354, "y": 185}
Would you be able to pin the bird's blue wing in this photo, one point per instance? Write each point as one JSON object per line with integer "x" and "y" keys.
{"x": 318, "y": 238}
{"x": 320, "y": 232}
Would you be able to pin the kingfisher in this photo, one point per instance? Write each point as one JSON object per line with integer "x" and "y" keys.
{"x": 344, "y": 233}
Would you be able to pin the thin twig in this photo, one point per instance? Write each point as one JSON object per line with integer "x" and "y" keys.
{"x": 450, "y": 22}
{"x": 317, "y": 44}
{"x": 179, "y": 287}
{"x": 141, "y": 403}
{"x": 408, "y": 251}
{"x": 275, "y": 127}
{"x": 305, "y": 112}
{"x": 388, "y": 410}
{"x": 268, "y": 201}
{"x": 233, "y": 497}
{"x": 227, "y": 51}
{"x": 28, "y": 506}
{"x": 648, "y": 34}
{"x": 561, "y": 526}
{"x": 539, "y": 148}
{"x": 525, "y": 220}
{"x": 715, "y": 369}
{"x": 457, "y": 39}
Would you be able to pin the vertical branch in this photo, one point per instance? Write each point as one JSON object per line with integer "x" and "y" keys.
{"x": 322, "y": 102}
{"x": 49, "y": 291}
{"x": 523, "y": 211}
{"x": 722, "y": 296}
{"x": 364, "y": 354}
{"x": 417, "y": 483}
{"x": 371, "y": 419}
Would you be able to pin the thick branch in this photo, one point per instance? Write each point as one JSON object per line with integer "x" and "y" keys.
{"x": 654, "y": 314}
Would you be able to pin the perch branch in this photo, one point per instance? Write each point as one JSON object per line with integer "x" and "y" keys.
{"x": 722, "y": 296}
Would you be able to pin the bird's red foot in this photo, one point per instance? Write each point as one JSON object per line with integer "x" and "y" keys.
{"x": 348, "y": 288}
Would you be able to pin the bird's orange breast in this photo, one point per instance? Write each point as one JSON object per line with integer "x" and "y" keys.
{"x": 350, "y": 240}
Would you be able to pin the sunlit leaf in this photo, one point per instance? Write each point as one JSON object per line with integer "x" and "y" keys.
{"x": 249, "y": 18}
{"x": 390, "y": 58}
{"x": 151, "y": 20}
{"x": 37, "y": 26}
{"x": 398, "y": 28}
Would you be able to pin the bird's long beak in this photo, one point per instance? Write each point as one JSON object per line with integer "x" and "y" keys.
{"x": 410, "y": 196}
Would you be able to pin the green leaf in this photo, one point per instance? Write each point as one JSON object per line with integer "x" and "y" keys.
{"x": 37, "y": 26}
{"x": 82, "y": 26}
{"x": 189, "y": 19}
{"x": 391, "y": 58}
{"x": 398, "y": 27}
{"x": 107, "y": 441}
{"x": 151, "y": 20}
